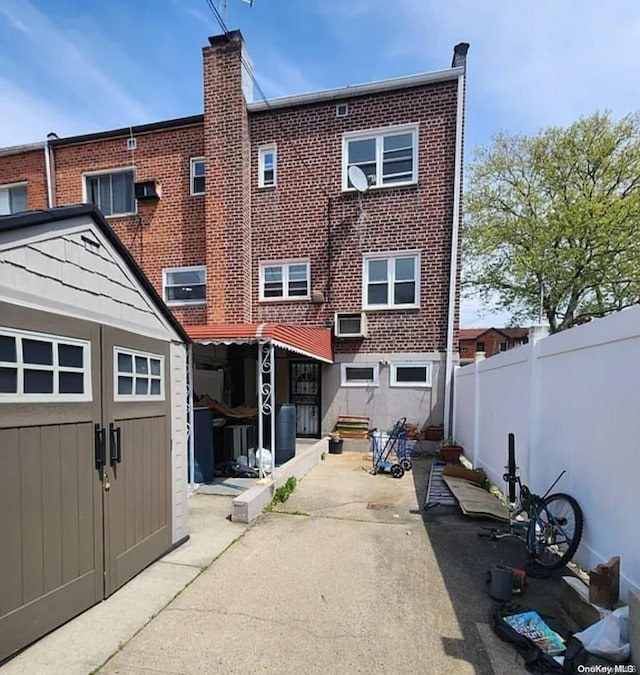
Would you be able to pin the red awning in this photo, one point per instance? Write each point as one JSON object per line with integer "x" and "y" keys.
{"x": 312, "y": 342}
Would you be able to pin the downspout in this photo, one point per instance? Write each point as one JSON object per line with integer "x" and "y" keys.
{"x": 48, "y": 169}
{"x": 459, "y": 58}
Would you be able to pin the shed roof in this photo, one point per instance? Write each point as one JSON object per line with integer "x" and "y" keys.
{"x": 29, "y": 219}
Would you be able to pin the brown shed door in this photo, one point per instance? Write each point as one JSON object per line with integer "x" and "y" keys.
{"x": 137, "y": 502}
{"x": 51, "y": 565}
{"x": 70, "y": 534}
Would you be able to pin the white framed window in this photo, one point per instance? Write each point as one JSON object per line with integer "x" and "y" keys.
{"x": 288, "y": 280}
{"x": 267, "y": 165}
{"x": 391, "y": 280}
{"x": 138, "y": 376}
{"x": 13, "y": 198}
{"x": 410, "y": 374}
{"x": 359, "y": 374}
{"x": 388, "y": 156}
{"x": 38, "y": 367}
{"x": 196, "y": 173}
{"x": 184, "y": 285}
{"x": 111, "y": 191}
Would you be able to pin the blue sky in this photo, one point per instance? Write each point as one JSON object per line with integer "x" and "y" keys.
{"x": 73, "y": 66}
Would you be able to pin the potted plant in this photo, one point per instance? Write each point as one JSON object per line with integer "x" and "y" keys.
{"x": 335, "y": 443}
{"x": 451, "y": 450}
{"x": 434, "y": 432}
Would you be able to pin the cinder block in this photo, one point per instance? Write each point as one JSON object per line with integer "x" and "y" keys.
{"x": 574, "y": 598}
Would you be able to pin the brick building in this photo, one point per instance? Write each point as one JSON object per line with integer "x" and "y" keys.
{"x": 490, "y": 341}
{"x": 245, "y": 219}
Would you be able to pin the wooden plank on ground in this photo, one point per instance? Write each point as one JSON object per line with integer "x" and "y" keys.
{"x": 474, "y": 501}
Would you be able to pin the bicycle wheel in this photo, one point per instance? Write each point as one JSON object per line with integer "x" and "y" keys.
{"x": 554, "y": 536}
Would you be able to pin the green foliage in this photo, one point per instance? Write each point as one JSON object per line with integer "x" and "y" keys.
{"x": 283, "y": 493}
{"x": 323, "y": 456}
{"x": 557, "y": 216}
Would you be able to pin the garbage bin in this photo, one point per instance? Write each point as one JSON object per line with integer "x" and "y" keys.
{"x": 285, "y": 433}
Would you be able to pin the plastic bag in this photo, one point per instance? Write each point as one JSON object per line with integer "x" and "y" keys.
{"x": 266, "y": 459}
{"x": 609, "y": 637}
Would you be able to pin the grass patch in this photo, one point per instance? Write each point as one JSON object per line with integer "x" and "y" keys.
{"x": 283, "y": 493}
{"x": 323, "y": 456}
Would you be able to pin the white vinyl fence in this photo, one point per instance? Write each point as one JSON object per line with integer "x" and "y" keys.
{"x": 573, "y": 402}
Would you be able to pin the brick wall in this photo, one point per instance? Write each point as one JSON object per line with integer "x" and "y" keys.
{"x": 27, "y": 166}
{"x": 291, "y": 220}
{"x": 168, "y": 232}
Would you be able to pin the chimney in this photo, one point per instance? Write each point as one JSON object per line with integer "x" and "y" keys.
{"x": 228, "y": 180}
{"x": 460, "y": 55}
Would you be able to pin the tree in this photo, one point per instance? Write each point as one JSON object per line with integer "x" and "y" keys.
{"x": 552, "y": 221}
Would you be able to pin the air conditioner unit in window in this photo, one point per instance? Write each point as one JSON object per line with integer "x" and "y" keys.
{"x": 146, "y": 190}
{"x": 350, "y": 324}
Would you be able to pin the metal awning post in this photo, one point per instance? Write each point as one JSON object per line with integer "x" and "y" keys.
{"x": 272, "y": 444}
{"x": 190, "y": 430}
{"x": 266, "y": 377}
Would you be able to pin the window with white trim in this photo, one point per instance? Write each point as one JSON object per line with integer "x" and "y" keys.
{"x": 112, "y": 191}
{"x": 197, "y": 175}
{"x": 410, "y": 374}
{"x": 267, "y": 169}
{"x": 285, "y": 280}
{"x": 138, "y": 376}
{"x": 359, "y": 374}
{"x": 391, "y": 280}
{"x": 185, "y": 285}
{"x": 38, "y": 367}
{"x": 388, "y": 157}
{"x": 13, "y": 198}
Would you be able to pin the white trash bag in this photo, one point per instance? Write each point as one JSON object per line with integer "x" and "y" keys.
{"x": 266, "y": 459}
{"x": 609, "y": 637}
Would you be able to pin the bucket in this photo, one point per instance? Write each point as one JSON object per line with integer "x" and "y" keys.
{"x": 335, "y": 447}
{"x": 500, "y": 583}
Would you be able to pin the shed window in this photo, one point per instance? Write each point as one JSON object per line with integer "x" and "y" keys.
{"x": 36, "y": 367}
{"x": 139, "y": 376}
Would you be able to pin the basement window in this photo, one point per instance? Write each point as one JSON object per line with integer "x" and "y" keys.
{"x": 359, "y": 375}
{"x": 38, "y": 367}
{"x": 410, "y": 374}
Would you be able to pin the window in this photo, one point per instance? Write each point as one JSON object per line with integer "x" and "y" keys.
{"x": 112, "y": 192}
{"x": 13, "y": 198}
{"x": 185, "y": 285}
{"x": 138, "y": 375}
{"x": 387, "y": 156}
{"x": 284, "y": 281}
{"x": 503, "y": 346}
{"x": 267, "y": 166}
{"x": 358, "y": 375}
{"x": 479, "y": 346}
{"x": 411, "y": 374}
{"x": 43, "y": 368}
{"x": 391, "y": 280}
{"x": 197, "y": 176}
{"x": 342, "y": 109}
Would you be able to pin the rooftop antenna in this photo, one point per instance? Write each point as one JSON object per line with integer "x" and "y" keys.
{"x": 223, "y": 8}
{"x": 359, "y": 180}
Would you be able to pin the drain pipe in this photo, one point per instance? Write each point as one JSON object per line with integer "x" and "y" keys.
{"x": 459, "y": 59}
{"x": 48, "y": 165}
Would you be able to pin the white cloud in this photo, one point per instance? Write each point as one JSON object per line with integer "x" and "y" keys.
{"x": 279, "y": 76}
{"x": 76, "y": 87}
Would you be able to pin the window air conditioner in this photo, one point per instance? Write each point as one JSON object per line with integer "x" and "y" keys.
{"x": 350, "y": 324}
{"x": 146, "y": 190}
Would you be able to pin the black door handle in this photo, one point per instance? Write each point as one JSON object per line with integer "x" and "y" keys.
{"x": 115, "y": 444}
{"x": 99, "y": 448}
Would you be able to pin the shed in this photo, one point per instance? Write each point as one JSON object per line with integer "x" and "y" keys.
{"x": 93, "y": 420}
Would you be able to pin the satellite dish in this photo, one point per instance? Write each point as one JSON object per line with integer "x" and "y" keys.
{"x": 358, "y": 178}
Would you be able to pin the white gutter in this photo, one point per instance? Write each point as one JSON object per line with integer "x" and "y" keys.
{"x": 358, "y": 89}
{"x": 47, "y": 164}
{"x": 457, "y": 189}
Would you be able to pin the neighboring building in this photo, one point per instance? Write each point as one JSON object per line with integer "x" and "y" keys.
{"x": 93, "y": 442}
{"x": 490, "y": 341}
{"x": 245, "y": 215}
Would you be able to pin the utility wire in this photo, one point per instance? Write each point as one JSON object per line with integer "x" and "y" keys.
{"x": 259, "y": 90}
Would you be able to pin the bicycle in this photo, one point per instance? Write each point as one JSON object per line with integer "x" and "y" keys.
{"x": 550, "y": 526}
